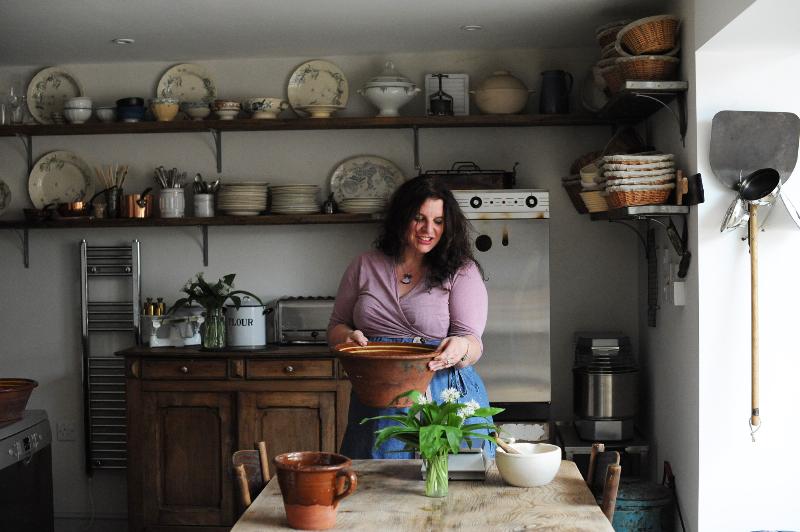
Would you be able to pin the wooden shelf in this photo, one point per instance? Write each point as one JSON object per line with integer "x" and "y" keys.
{"x": 249, "y": 124}
{"x": 268, "y": 219}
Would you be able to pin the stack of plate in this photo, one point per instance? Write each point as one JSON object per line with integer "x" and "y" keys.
{"x": 294, "y": 199}
{"x": 362, "y": 205}
{"x": 243, "y": 199}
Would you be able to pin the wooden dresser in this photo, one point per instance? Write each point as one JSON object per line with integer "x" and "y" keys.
{"x": 189, "y": 410}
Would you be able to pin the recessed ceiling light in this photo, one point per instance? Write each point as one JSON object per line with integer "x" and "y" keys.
{"x": 472, "y": 27}
{"x": 123, "y": 40}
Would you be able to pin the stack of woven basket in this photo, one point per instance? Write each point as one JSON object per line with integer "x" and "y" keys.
{"x": 642, "y": 50}
{"x": 638, "y": 179}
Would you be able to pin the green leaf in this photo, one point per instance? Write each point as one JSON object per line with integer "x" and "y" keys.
{"x": 430, "y": 439}
{"x": 487, "y": 411}
{"x": 454, "y": 437}
{"x": 228, "y": 279}
{"x": 184, "y": 301}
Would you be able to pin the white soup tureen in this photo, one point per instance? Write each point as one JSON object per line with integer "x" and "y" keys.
{"x": 389, "y": 91}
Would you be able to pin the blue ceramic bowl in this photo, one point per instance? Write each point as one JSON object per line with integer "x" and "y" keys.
{"x": 130, "y": 113}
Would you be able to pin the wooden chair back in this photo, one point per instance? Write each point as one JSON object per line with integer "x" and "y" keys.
{"x": 251, "y": 468}
{"x": 608, "y": 483}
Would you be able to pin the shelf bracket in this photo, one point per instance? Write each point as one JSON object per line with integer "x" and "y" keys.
{"x": 417, "y": 166}
{"x": 679, "y": 117}
{"x": 217, "y": 134}
{"x": 23, "y": 238}
{"x": 204, "y": 229}
{"x": 27, "y": 141}
{"x": 635, "y": 230}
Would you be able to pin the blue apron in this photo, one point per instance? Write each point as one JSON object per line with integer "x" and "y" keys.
{"x": 359, "y": 440}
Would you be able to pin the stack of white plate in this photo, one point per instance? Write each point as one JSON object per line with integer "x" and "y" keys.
{"x": 362, "y": 205}
{"x": 294, "y": 199}
{"x": 242, "y": 199}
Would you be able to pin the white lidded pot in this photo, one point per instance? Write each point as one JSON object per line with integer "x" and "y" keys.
{"x": 389, "y": 91}
{"x": 501, "y": 94}
{"x": 246, "y": 327}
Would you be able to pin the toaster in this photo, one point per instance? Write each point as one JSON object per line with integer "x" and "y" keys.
{"x": 302, "y": 320}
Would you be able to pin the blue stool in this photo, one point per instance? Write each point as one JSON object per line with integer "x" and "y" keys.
{"x": 643, "y": 506}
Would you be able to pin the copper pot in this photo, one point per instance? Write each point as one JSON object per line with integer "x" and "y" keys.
{"x": 138, "y": 205}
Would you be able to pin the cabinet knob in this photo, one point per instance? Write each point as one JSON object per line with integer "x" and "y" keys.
{"x": 289, "y": 369}
{"x": 184, "y": 369}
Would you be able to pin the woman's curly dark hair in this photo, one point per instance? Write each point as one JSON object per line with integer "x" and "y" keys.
{"x": 453, "y": 250}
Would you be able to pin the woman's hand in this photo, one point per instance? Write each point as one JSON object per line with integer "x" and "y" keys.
{"x": 357, "y": 337}
{"x": 453, "y": 351}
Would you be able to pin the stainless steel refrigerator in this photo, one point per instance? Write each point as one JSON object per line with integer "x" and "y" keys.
{"x": 511, "y": 242}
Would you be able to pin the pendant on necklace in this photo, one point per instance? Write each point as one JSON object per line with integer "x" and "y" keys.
{"x": 406, "y": 278}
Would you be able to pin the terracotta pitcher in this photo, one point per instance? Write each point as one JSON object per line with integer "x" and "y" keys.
{"x": 312, "y": 484}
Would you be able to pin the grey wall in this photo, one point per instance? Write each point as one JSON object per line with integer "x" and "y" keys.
{"x": 593, "y": 265}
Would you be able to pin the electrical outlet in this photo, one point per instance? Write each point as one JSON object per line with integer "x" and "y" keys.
{"x": 65, "y": 431}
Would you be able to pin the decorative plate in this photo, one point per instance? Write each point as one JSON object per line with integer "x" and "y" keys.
{"x": 59, "y": 177}
{"x": 317, "y": 84}
{"x": 188, "y": 83}
{"x": 365, "y": 177}
{"x": 48, "y": 90}
{"x": 5, "y": 197}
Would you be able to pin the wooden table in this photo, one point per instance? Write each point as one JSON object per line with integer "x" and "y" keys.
{"x": 390, "y": 497}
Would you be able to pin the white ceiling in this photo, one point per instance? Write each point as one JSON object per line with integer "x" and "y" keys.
{"x": 49, "y": 32}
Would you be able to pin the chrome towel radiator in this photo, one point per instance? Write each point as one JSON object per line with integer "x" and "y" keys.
{"x": 108, "y": 308}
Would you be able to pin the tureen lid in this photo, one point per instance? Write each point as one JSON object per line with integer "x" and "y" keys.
{"x": 389, "y": 77}
{"x": 502, "y": 79}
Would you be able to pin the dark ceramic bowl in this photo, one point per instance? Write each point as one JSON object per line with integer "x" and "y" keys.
{"x": 130, "y": 113}
{"x": 130, "y": 102}
{"x": 14, "y": 395}
{"x": 381, "y": 371}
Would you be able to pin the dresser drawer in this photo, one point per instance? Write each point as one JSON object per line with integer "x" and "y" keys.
{"x": 184, "y": 369}
{"x": 290, "y": 369}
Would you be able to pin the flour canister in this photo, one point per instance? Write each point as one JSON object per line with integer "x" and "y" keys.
{"x": 247, "y": 325}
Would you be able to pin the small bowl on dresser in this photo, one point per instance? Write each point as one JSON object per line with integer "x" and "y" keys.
{"x": 106, "y": 114}
{"x": 77, "y": 116}
{"x": 536, "y": 464}
{"x": 196, "y": 110}
{"x": 226, "y": 114}
{"x": 164, "y": 109}
{"x": 268, "y": 108}
{"x": 80, "y": 102}
{"x": 130, "y": 113}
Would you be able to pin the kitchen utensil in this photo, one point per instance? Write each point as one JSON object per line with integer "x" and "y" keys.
{"x": 501, "y": 93}
{"x": 466, "y": 175}
{"x": 554, "y": 97}
{"x": 441, "y": 103}
{"x": 758, "y": 185}
{"x": 535, "y": 465}
{"x": 389, "y": 91}
{"x": 735, "y": 216}
{"x": 503, "y": 444}
{"x": 203, "y": 205}
{"x": 246, "y": 325}
{"x": 138, "y": 205}
{"x": 744, "y": 141}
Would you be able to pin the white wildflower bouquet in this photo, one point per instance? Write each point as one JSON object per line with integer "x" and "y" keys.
{"x": 437, "y": 428}
{"x": 211, "y": 296}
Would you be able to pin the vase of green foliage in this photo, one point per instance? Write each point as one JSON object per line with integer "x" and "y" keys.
{"x": 436, "y": 430}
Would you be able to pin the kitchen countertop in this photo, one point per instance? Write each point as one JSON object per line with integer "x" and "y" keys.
{"x": 390, "y": 496}
{"x": 270, "y": 351}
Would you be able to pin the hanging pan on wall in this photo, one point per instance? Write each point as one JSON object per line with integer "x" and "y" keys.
{"x": 753, "y": 153}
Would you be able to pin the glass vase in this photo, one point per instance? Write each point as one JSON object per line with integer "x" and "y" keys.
{"x": 213, "y": 333}
{"x": 436, "y": 476}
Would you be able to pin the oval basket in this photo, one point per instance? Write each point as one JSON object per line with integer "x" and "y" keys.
{"x": 641, "y": 195}
{"x": 14, "y": 395}
{"x": 648, "y": 67}
{"x": 650, "y": 35}
{"x": 380, "y": 371}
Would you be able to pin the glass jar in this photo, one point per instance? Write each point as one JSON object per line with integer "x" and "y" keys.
{"x": 213, "y": 331}
{"x": 436, "y": 475}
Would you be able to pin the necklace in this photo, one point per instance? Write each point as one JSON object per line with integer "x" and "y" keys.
{"x": 406, "y": 278}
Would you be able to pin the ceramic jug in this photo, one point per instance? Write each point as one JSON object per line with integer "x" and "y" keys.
{"x": 554, "y": 96}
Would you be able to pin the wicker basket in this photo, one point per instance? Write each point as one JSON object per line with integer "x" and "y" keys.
{"x": 610, "y": 51}
{"x": 594, "y": 201}
{"x": 648, "y": 67}
{"x": 573, "y": 188}
{"x": 638, "y": 197}
{"x": 608, "y": 36}
{"x": 650, "y": 35}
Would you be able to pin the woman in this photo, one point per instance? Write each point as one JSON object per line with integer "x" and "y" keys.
{"x": 422, "y": 284}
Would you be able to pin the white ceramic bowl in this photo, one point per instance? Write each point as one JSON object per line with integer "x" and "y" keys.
{"x": 77, "y": 116}
{"x": 537, "y": 464}
{"x": 227, "y": 114}
{"x": 106, "y": 114}
{"x": 389, "y": 99}
{"x": 264, "y": 107}
{"x": 80, "y": 102}
{"x": 197, "y": 112}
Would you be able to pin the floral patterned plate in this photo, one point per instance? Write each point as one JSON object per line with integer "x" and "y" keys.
{"x": 5, "y": 197}
{"x": 366, "y": 176}
{"x": 59, "y": 177}
{"x": 48, "y": 90}
{"x": 187, "y": 83}
{"x": 317, "y": 84}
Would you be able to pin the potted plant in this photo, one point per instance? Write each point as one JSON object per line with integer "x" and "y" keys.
{"x": 437, "y": 430}
{"x": 212, "y": 297}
